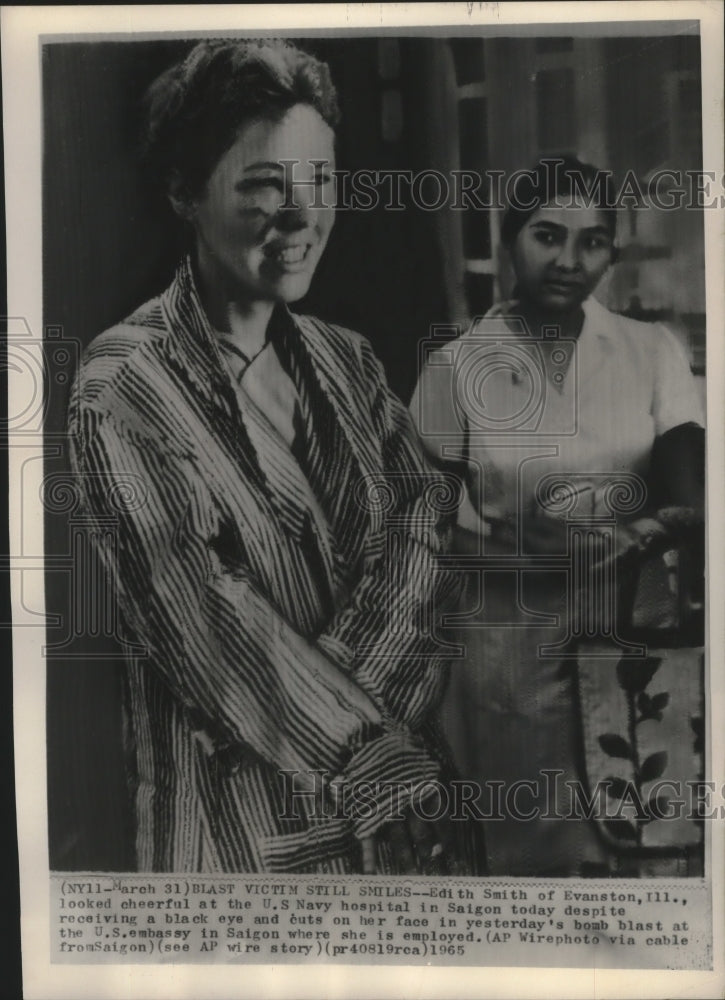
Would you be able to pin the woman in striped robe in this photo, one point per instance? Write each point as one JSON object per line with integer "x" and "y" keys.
{"x": 276, "y": 550}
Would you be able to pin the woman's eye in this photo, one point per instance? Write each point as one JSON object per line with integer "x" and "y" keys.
{"x": 262, "y": 185}
{"x": 597, "y": 243}
{"x": 546, "y": 239}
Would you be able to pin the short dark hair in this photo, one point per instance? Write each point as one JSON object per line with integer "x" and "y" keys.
{"x": 194, "y": 109}
{"x": 557, "y": 178}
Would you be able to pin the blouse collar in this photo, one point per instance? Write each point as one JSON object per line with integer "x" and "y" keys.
{"x": 193, "y": 337}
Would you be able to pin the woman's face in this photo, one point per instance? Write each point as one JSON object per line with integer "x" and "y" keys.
{"x": 560, "y": 255}
{"x": 260, "y": 227}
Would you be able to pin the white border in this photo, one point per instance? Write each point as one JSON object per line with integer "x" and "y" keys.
{"x": 21, "y": 28}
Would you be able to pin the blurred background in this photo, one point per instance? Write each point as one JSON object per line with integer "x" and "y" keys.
{"x": 623, "y": 102}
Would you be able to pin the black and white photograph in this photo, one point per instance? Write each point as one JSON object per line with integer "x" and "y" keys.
{"x": 363, "y": 498}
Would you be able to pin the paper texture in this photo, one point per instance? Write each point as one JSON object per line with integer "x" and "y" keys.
{"x": 587, "y": 805}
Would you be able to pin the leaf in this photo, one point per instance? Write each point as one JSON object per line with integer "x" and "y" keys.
{"x": 616, "y": 787}
{"x": 653, "y": 766}
{"x": 634, "y": 675}
{"x": 644, "y": 704}
{"x": 631, "y": 800}
{"x": 615, "y": 746}
{"x": 659, "y": 807}
{"x": 622, "y": 829}
{"x": 660, "y": 701}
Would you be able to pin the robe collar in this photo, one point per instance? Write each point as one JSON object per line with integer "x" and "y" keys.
{"x": 193, "y": 338}
{"x": 194, "y": 349}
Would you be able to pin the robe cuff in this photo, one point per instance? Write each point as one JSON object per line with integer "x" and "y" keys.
{"x": 384, "y": 779}
{"x": 338, "y": 651}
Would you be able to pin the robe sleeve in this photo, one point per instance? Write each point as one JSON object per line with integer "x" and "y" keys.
{"x": 220, "y": 646}
{"x": 388, "y": 629}
{"x": 386, "y": 635}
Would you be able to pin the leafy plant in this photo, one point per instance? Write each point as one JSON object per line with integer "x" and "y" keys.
{"x": 633, "y": 677}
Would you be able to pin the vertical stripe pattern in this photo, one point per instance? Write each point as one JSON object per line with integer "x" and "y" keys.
{"x": 273, "y": 608}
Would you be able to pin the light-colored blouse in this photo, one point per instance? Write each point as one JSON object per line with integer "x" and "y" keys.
{"x": 520, "y": 408}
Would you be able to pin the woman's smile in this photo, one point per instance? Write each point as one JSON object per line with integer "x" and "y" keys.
{"x": 289, "y": 257}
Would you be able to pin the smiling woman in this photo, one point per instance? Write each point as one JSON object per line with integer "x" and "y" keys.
{"x": 252, "y": 563}
{"x": 260, "y": 228}
{"x": 250, "y": 171}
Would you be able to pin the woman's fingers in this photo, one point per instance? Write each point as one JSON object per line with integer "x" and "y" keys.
{"x": 423, "y": 835}
{"x": 369, "y": 865}
{"x": 445, "y": 834}
{"x": 418, "y": 846}
{"x": 401, "y": 847}
{"x": 448, "y": 835}
{"x": 435, "y": 845}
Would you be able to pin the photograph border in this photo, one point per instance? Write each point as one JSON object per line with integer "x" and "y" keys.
{"x": 23, "y": 30}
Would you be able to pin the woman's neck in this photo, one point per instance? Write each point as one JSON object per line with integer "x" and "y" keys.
{"x": 570, "y": 323}
{"x": 243, "y": 319}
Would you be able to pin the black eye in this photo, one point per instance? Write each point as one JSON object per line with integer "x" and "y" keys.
{"x": 253, "y": 184}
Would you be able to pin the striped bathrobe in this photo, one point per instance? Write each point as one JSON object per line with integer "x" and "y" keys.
{"x": 267, "y": 590}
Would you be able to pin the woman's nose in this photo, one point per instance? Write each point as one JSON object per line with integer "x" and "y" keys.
{"x": 304, "y": 200}
{"x": 298, "y": 214}
{"x": 568, "y": 256}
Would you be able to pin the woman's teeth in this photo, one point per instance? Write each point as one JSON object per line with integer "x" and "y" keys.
{"x": 291, "y": 255}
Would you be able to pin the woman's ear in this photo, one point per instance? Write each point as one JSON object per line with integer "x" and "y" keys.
{"x": 180, "y": 198}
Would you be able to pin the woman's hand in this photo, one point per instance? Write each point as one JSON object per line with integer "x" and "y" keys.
{"x": 647, "y": 537}
{"x": 368, "y": 846}
{"x": 642, "y": 538}
{"x": 419, "y": 847}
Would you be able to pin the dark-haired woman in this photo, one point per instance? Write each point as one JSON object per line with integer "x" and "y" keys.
{"x": 553, "y": 406}
{"x": 282, "y": 716}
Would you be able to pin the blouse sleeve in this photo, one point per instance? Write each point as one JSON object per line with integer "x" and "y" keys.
{"x": 434, "y": 410}
{"x": 675, "y": 399}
